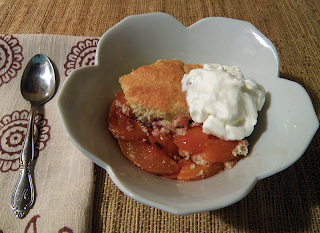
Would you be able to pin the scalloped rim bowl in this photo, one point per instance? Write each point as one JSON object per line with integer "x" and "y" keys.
{"x": 286, "y": 125}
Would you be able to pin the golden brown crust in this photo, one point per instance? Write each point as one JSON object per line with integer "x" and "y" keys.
{"x": 155, "y": 91}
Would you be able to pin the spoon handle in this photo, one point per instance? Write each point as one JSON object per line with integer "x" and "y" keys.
{"x": 23, "y": 194}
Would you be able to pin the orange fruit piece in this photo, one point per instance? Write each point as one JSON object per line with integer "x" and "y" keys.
{"x": 166, "y": 141}
{"x": 208, "y": 147}
{"x": 194, "y": 141}
{"x": 149, "y": 157}
{"x": 123, "y": 125}
{"x": 192, "y": 171}
{"x": 219, "y": 151}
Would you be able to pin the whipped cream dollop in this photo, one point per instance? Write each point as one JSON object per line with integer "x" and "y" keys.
{"x": 223, "y": 100}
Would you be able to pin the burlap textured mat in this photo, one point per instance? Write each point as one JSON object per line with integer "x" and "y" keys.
{"x": 286, "y": 202}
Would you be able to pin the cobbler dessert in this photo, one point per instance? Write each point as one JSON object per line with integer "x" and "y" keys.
{"x": 172, "y": 120}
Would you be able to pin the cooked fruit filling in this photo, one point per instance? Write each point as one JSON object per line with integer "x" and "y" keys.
{"x": 177, "y": 149}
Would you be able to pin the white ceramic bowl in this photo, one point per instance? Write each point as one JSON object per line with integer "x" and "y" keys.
{"x": 285, "y": 127}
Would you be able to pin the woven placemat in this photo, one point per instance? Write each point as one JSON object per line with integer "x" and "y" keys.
{"x": 286, "y": 202}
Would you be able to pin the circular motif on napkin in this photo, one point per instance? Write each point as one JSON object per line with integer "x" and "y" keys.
{"x": 13, "y": 130}
{"x": 10, "y": 58}
{"x": 83, "y": 54}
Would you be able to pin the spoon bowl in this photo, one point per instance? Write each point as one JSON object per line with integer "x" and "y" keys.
{"x": 38, "y": 84}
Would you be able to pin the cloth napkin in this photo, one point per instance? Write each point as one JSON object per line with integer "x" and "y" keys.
{"x": 63, "y": 176}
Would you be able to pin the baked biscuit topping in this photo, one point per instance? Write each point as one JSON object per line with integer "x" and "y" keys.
{"x": 155, "y": 91}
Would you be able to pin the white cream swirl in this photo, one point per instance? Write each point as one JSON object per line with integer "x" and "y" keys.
{"x": 223, "y": 100}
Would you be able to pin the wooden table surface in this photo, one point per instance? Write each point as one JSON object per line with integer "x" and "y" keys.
{"x": 286, "y": 202}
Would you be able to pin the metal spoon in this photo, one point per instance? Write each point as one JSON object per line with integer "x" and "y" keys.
{"x": 38, "y": 85}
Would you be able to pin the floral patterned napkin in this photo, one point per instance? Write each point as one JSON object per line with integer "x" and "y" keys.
{"x": 63, "y": 176}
